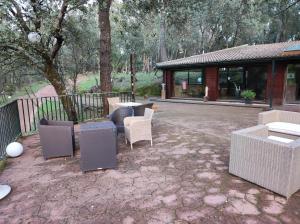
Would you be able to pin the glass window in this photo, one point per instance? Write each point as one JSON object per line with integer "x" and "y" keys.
{"x": 196, "y": 78}
{"x": 292, "y": 88}
{"x": 180, "y": 76}
{"x": 189, "y": 83}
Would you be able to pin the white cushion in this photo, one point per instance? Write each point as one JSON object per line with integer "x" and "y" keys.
{"x": 280, "y": 139}
{"x": 284, "y": 127}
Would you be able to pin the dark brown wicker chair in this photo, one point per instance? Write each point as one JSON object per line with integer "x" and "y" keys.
{"x": 117, "y": 117}
{"x": 140, "y": 110}
{"x": 57, "y": 138}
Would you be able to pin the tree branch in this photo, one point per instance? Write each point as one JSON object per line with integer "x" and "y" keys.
{"x": 58, "y": 28}
{"x": 19, "y": 16}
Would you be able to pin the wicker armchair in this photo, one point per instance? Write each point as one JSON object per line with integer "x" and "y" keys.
{"x": 283, "y": 123}
{"x": 140, "y": 110}
{"x": 272, "y": 164}
{"x": 118, "y": 116}
{"x": 278, "y": 116}
{"x": 112, "y": 102}
{"x": 139, "y": 127}
{"x": 57, "y": 138}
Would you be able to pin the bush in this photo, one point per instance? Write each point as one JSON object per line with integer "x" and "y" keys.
{"x": 248, "y": 94}
{"x": 151, "y": 90}
{"x": 147, "y": 84}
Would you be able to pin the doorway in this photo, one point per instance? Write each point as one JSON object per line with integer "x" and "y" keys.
{"x": 292, "y": 88}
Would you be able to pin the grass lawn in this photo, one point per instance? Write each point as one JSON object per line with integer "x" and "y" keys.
{"x": 34, "y": 87}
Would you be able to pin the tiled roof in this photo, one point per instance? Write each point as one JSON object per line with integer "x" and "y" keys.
{"x": 236, "y": 54}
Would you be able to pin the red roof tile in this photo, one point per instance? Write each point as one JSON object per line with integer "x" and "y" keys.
{"x": 236, "y": 54}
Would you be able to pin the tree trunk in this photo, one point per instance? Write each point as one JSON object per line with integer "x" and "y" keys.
{"x": 105, "y": 50}
{"x": 162, "y": 54}
{"x": 54, "y": 78}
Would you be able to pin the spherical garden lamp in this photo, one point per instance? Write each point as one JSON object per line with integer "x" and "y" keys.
{"x": 14, "y": 149}
{"x": 34, "y": 37}
{"x": 4, "y": 190}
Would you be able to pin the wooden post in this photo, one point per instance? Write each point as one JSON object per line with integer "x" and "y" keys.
{"x": 133, "y": 72}
{"x": 271, "y": 85}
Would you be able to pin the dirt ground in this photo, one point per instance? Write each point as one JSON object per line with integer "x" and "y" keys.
{"x": 182, "y": 179}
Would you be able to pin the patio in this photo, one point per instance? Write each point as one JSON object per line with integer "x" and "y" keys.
{"x": 183, "y": 178}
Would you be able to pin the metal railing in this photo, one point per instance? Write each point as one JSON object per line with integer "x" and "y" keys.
{"x": 88, "y": 106}
{"x": 9, "y": 125}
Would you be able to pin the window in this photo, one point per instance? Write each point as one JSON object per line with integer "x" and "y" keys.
{"x": 189, "y": 83}
{"x": 196, "y": 78}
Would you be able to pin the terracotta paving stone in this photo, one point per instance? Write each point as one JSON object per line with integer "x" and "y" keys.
{"x": 182, "y": 179}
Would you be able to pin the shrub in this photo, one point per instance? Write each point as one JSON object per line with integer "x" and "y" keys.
{"x": 248, "y": 94}
{"x": 150, "y": 90}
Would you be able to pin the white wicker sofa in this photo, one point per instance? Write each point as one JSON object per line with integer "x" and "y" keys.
{"x": 281, "y": 122}
{"x": 273, "y": 164}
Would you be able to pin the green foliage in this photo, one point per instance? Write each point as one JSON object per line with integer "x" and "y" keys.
{"x": 146, "y": 84}
{"x": 3, "y": 163}
{"x": 248, "y": 94}
{"x": 191, "y": 27}
{"x": 150, "y": 90}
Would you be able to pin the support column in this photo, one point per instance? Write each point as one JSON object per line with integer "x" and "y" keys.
{"x": 211, "y": 81}
{"x": 271, "y": 85}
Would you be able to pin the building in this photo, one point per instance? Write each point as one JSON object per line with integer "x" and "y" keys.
{"x": 271, "y": 70}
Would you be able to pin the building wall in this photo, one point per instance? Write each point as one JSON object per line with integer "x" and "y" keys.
{"x": 211, "y": 80}
{"x": 278, "y": 83}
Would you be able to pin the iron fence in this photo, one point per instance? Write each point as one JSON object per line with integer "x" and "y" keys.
{"x": 9, "y": 125}
{"x": 88, "y": 106}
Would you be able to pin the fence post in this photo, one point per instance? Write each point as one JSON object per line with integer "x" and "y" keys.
{"x": 133, "y": 72}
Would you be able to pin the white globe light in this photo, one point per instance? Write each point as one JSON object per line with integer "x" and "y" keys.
{"x": 14, "y": 149}
{"x": 34, "y": 37}
{"x": 4, "y": 190}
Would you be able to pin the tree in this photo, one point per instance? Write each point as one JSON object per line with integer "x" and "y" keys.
{"x": 79, "y": 54}
{"x": 32, "y": 31}
{"x": 105, "y": 49}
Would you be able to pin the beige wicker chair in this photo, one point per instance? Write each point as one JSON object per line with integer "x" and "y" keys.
{"x": 139, "y": 128}
{"x": 269, "y": 163}
{"x": 112, "y": 102}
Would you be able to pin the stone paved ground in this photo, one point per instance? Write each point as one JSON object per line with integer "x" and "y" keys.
{"x": 183, "y": 178}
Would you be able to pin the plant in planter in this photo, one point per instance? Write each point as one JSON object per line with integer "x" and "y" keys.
{"x": 248, "y": 96}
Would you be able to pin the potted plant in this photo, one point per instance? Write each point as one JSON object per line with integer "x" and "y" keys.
{"x": 248, "y": 95}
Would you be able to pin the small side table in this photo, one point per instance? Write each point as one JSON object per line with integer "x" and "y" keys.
{"x": 98, "y": 146}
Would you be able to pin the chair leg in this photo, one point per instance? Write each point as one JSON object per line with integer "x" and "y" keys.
{"x": 125, "y": 140}
{"x": 151, "y": 142}
{"x": 131, "y": 146}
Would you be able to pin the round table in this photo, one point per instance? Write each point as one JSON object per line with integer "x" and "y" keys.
{"x": 128, "y": 104}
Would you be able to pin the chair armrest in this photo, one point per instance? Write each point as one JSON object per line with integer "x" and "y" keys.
{"x": 47, "y": 131}
{"x": 268, "y": 117}
{"x": 289, "y": 116}
{"x": 259, "y": 130}
{"x": 61, "y": 123}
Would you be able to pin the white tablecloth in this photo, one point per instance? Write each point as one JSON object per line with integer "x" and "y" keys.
{"x": 128, "y": 104}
